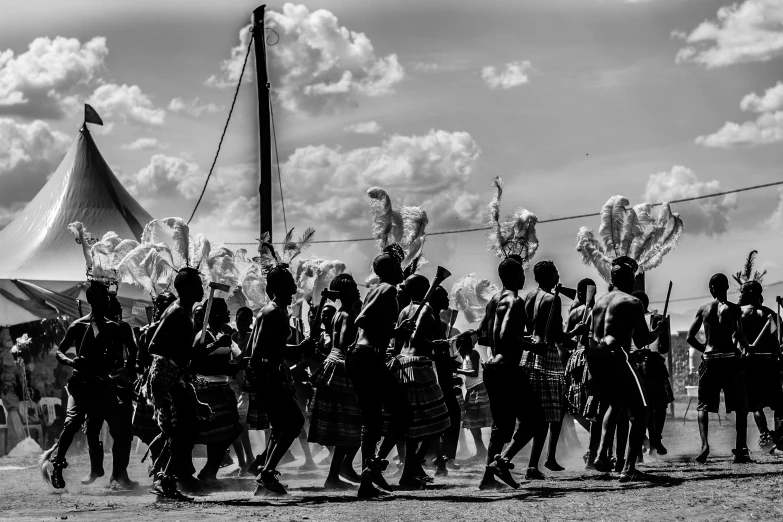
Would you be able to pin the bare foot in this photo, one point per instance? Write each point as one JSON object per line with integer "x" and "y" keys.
{"x": 553, "y": 466}
{"x": 702, "y": 457}
{"x": 334, "y": 483}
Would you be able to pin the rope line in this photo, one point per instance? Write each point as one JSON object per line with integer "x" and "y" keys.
{"x": 550, "y": 220}
{"x": 225, "y": 128}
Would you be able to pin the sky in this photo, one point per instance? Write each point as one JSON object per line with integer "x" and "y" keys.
{"x": 569, "y": 101}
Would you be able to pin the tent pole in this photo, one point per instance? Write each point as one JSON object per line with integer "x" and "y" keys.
{"x": 264, "y": 134}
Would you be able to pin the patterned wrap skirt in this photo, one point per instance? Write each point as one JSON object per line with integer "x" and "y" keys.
{"x": 477, "y": 411}
{"x": 576, "y": 393}
{"x": 224, "y": 423}
{"x": 144, "y": 425}
{"x": 335, "y": 419}
{"x": 174, "y": 398}
{"x": 460, "y": 398}
{"x": 419, "y": 384}
{"x": 257, "y": 418}
{"x": 549, "y": 388}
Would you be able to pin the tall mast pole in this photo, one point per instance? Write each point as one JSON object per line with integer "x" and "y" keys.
{"x": 264, "y": 123}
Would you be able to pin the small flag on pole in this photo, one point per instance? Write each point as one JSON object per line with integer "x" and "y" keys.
{"x": 91, "y": 116}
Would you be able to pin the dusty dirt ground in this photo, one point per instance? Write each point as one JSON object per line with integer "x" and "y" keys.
{"x": 679, "y": 490}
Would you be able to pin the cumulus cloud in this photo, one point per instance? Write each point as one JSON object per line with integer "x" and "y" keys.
{"x": 707, "y": 216}
{"x": 365, "y": 127}
{"x": 126, "y": 103}
{"x": 765, "y": 129}
{"x": 29, "y": 154}
{"x": 194, "y": 107}
{"x": 165, "y": 177}
{"x": 748, "y": 32}
{"x": 326, "y": 187}
{"x": 322, "y": 68}
{"x": 36, "y": 83}
{"x": 145, "y": 143}
{"x": 512, "y": 75}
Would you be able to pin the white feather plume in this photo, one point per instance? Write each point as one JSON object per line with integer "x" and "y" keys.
{"x": 470, "y": 295}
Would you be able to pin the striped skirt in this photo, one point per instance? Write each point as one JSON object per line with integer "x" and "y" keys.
{"x": 549, "y": 388}
{"x": 335, "y": 419}
{"x": 576, "y": 393}
{"x": 460, "y": 398}
{"x": 144, "y": 425}
{"x": 224, "y": 424}
{"x": 477, "y": 411}
{"x": 257, "y": 418}
{"x": 419, "y": 383}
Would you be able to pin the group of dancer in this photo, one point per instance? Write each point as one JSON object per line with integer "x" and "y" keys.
{"x": 387, "y": 372}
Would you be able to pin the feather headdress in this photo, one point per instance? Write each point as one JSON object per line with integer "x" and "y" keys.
{"x": 748, "y": 273}
{"x": 221, "y": 263}
{"x": 313, "y": 275}
{"x": 102, "y": 257}
{"x": 515, "y": 234}
{"x": 633, "y": 232}
{"x": 150, "y": 266}
{"x": 401, "y": 226}
{"x": 471, "y": 295}
{"x": 252, "y": 272}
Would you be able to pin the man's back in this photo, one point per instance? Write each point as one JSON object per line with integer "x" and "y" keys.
{"x": 720, "y": 325}
{"x": 508, "y": 328}
{"x": 754, "y": 318}
{"x": 617, "y": 315}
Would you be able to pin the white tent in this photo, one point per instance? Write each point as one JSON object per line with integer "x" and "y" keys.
{"x": 38, "y": 248}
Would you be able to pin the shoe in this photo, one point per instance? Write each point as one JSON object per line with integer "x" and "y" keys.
{"x": 411, "y": 483}
{"x": 368, "y": 490}
{"x": 267, "y": 484}
{"x": 534, "y": 474}
{"x": 501, "y": 468}
{"x": 490, "y": 484}
{"x": 336, "y": 484}
{"x": 58, "y": 482}
{"x": 633, "y": 475}
{"x": 766, "y": 442}
{"x": 227, "y": 461}
{"x": 452, "y": 465}
{"x": 440, "y": 467}
{"x": 659, "y": 449}
{"x": 189, "y": 483}
{"x": 422, "y": 475}
{"x": 254, "y": 468}
{"x": 166, "y": 487}
{"x": 603, "y": 464}
{"x": 553, "y": 466}
{"x": 742, "y": 456}
{"x": 376, "y": 468}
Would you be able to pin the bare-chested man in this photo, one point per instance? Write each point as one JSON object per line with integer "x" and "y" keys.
{"x": 762, "y": 374}
{"x": 617, "y": 319}
{"x": 720, "y": 368}
{"x": 510, "y": 395}
{"x": 375, "y": 386}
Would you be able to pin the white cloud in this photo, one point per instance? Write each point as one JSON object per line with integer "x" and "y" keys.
{"x": 514, "y": 74}
{"x": 767, "y": 128}
{"x": 322, "y": 68}
{"x": 35, "y": 83}
{"x": 707, "y": 216}
{"x": 772, "y": 100}
{"x": 29, "y": 154}
{"x": 776, "y": 219}
{"x": 126, "y": 103}
{"x": 165, "y": 177}
{"x": 144, "y": 143}
{"x": 426, "y": 66}
{"x": 365, "y": 127}
{"x": 743, "y": 33}
{"x": 326, "y": 187}
{"x": 193, "y": 107}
